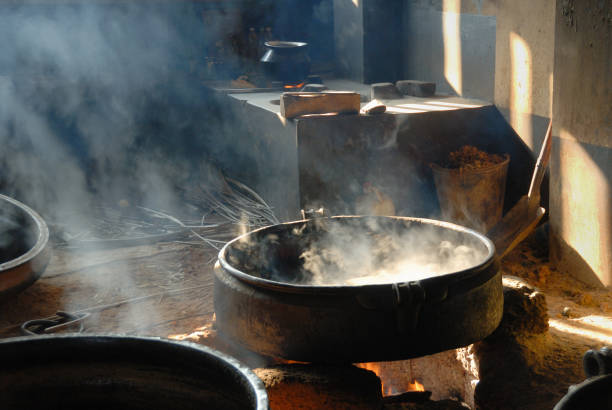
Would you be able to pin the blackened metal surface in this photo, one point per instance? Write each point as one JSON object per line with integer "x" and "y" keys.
{"x": 108, "y": 372}
{"x": 597, "y": 362}
{"x": 593, "y": 393}
{"x": 23, "y": 246}
{"x": 286, "y": 61}
{"x": 357, "y": 323}
{"x": 596, "y": 391}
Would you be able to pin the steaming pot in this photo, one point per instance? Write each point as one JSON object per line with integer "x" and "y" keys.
{"x": 119, "y": 372}
{"x": 276, "y": 317}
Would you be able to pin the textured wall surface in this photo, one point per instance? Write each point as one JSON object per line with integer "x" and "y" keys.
{"x": 348, "y": 38}
{"x": 581, "y": 164}
{"x": 524, "y": 58}
{"x": 452, "y": 44}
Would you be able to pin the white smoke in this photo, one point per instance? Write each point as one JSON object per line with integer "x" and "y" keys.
{"x": 350, "y": 255}
{"x": 92, "y": 112}
{"x": 357, "y": 251}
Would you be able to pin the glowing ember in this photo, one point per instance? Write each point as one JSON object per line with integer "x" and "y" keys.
{"x": 293, "y": 87}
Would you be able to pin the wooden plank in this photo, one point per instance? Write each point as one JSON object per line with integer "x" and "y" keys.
{"x": 294, "y": 104}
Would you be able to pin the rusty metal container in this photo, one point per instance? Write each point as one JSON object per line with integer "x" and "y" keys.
{"x": 472, "y": 197}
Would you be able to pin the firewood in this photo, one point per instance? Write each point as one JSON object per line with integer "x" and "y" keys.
{"x": 294, "y": 104}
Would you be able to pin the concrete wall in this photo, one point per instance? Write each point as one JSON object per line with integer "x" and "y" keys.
{"x": 452, "y": 43}
{"x": 524, "y": 58}
{"x": 367, "y": 47}
{"x": 536, "y": 60}
{"x": 581, "y": 162}
{"x": 348, "y": 38}
{"x": 498, "y": 50}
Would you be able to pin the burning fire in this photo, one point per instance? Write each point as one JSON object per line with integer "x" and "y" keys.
{"x": 293, "y": 87}
{"x": 415, "y": 386}
{"x": 389, "y": 387}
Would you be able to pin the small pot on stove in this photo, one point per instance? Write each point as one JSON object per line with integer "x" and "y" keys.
{"x": 286, "y": 61}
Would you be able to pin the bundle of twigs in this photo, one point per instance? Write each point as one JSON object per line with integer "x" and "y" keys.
{"x": 238, "y": 204}
{"x": 232, "y": 205}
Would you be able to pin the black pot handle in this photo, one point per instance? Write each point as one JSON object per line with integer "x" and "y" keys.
{"x": 409, "y": 298}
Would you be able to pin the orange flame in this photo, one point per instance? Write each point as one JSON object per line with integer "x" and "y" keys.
{"x": 296, "y": 86}
{"x": 389, "y": 388}
{"x": 415, "y": 386}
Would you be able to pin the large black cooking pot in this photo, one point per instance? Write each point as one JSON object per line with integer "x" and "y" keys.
{"x": 264, "y": 302}
{"x": 120, "y": 372}
{"x": 23, "y": 246}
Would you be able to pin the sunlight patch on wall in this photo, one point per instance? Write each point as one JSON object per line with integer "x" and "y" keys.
{"x": 521, "y": 87}
{"x": 451, "y": 31}
{"x": 585, "y": 218}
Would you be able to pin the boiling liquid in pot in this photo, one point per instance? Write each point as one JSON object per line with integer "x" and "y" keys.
{"x": 357, "y": 251}
{"x": 340, "y": 259}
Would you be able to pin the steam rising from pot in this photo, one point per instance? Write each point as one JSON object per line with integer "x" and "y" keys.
{"x": 357, "y": 251}
{"x": 344, "y": 256}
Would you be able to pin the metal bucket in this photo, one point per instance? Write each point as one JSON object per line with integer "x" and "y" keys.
{"x": 473, "y": 197}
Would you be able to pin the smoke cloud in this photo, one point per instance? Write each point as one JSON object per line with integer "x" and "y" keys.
{"x": 78, "y": 83}
{"x": 100, "y": 106}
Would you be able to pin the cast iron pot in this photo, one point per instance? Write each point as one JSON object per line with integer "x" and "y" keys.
{"x": 23, "y": 246}
{"x": 119, "y": 372}
{"x": 258, "y": 309}
{"x": 596, "y": 391}
{"x": 286, "y": 61}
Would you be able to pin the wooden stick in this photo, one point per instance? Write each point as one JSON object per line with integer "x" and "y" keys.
{"x": 541, "y": 165}
{"x": 519, "y": 221}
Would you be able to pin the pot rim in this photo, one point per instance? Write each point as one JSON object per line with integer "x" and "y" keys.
{"x": 285, "y": 45}
{"x": 312, "y": 289}
{"x": 105, "y": 340}
{"x": 461, "y": 171}
{"x": 41, "y": 240}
